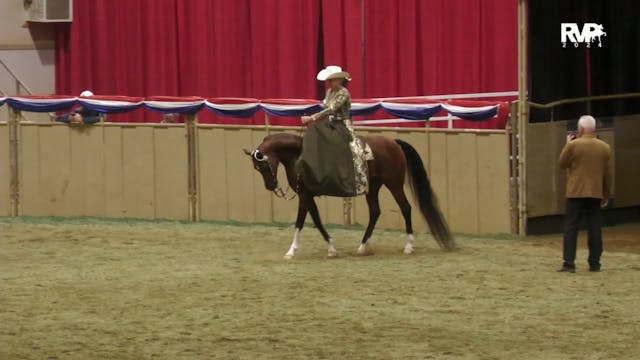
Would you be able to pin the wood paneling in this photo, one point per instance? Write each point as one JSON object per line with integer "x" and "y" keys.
{"x": 493, "y": 179}
{"x": 212, "y": 183}
{"x": 462, "y": 180}
{"x": 171, "y": 182}
{"x": 4, "y": 170}
{"x": 140, "y": 171}
{"x": 627, "y": 161}
{"x": 546, "y": 181}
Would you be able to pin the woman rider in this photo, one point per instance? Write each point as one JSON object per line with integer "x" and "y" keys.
{"x": 332, "y": 161}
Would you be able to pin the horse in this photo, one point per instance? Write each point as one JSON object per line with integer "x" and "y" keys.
{"x": 392, "y": 159}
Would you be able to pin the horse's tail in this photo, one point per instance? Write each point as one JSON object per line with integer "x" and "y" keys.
{"x": 425, "y": 198}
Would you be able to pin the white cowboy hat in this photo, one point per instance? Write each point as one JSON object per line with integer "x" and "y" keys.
{"x": 86, "y": 93}
{"x": 332, "y": 72}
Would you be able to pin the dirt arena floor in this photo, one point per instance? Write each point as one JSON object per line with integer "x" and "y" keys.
{"x": 99, "y": 289}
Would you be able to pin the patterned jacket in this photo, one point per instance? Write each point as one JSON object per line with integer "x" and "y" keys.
{"x": 336, "y": 105}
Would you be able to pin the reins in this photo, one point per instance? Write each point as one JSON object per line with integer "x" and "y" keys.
{"x": 278, "y": 191}
{"x": 283, "y": 194}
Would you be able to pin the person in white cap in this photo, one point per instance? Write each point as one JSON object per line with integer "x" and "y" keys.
{"x": 80, "y": 115}
{"x": 333, "y": 161}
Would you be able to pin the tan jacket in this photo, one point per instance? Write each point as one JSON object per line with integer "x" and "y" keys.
{"x": 588, "y": 160}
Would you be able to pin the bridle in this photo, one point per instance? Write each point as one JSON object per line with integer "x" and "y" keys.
{"x": 264, "y": 165}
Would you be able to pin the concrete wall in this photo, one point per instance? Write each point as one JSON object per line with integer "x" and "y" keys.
{"x": 29, "y": 52}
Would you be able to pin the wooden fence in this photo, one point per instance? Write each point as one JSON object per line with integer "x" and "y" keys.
{"x": 546, "y": 181}
{"x": 141, "y": 171}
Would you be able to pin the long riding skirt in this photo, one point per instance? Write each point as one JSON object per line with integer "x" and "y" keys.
{"x": 327, "y": 162}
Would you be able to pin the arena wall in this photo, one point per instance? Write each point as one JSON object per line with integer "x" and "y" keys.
{"x": 4, "y": 170}
{"x": 109, "y": 170}
{"x": 546, "y": 181}
{"x": 141, "y": 171}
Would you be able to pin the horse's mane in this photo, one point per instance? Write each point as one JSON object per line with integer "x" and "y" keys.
{"x": 281, "y": 137}
{"x": 282, "y": 141}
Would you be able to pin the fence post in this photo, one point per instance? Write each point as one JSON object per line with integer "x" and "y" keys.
{"x": 347, "y": 206}
{"x": 523, "y": 115}
{"x": 512, "y": 135}
{"x": 192, "y": 167}
{"x": 14, "y": 165}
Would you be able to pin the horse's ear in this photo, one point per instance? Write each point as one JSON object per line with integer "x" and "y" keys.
{"x": 247, "y": 152}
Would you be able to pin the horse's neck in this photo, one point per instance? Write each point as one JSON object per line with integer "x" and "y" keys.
{"x": 288, "y": 149}
{"x": 289, "y": 160}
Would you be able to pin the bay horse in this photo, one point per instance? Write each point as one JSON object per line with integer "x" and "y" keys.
{"x": 392, "y": 159}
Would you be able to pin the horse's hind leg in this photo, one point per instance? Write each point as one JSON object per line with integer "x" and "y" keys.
{"x": 374, "y": 214}
{"x": 315, "y": 216}
{"x": 405, "y": 208}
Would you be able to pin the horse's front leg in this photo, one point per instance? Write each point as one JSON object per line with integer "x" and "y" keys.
{"x": 315, "y": 216}
{"x": 295, "y": 244}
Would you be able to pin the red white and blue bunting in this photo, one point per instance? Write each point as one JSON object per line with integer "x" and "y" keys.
{"x": 110, "y": 104}
{"x": 41, "y": 103}
{"x": 290, "y": 107}
{"x": 471, "y": 113}
{"x": 174, "y": 105}
{"x": 412, "y": 109}
{"x": 363, "y": 107}
{"x": 415, "y": 109}
{"x": 233, "y": 107}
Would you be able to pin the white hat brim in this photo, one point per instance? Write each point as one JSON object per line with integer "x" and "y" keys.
{"x": 325, "y": 74}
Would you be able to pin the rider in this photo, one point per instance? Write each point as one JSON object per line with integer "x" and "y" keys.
{"x": 332, "y": 161}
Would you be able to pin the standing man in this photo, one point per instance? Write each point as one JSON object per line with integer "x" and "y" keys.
{"x": 587, "y": 159}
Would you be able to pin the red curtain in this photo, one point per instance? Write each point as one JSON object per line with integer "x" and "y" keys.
{"x": 284, "y": 45}
{"x": 342, "y": 40}
{"x": 196, "y": 47}
{"x": 119, "y": 47}
{"x": 214, "y": 40}
{"x": 273, "y": 48}
{"x": 416, "y": 47}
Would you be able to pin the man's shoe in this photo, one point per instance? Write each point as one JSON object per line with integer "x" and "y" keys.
{"x": 567, "y": 268}
{"x": 594, "y": 267}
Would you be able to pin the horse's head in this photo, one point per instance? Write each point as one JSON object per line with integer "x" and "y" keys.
{"x": 267, "y": 165}
{"x": 275, "y": 149}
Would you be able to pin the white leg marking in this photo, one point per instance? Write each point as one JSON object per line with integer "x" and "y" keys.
{"x": 294, "y": 245}
{"x": 332, "y": 250}
{"x": 362, "y": 249}
{"x": 408, "y": 249}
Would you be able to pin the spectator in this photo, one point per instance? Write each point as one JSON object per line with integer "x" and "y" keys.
{"x": 587, "y": 159}
{"x": 80, "y": 115}
{"x": 170, "y": 118}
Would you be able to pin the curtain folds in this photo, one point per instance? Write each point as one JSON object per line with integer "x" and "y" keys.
{"x": 274, "y": 48}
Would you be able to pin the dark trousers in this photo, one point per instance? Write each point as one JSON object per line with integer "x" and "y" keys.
{"x": 591, "y": 209}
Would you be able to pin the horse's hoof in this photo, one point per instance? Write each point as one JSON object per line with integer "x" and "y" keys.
{"x": 362, "y": 249}
{"x": 408, "y": 250}
{"x": 288, "y": 256}
{"x": 332, "y": 253}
